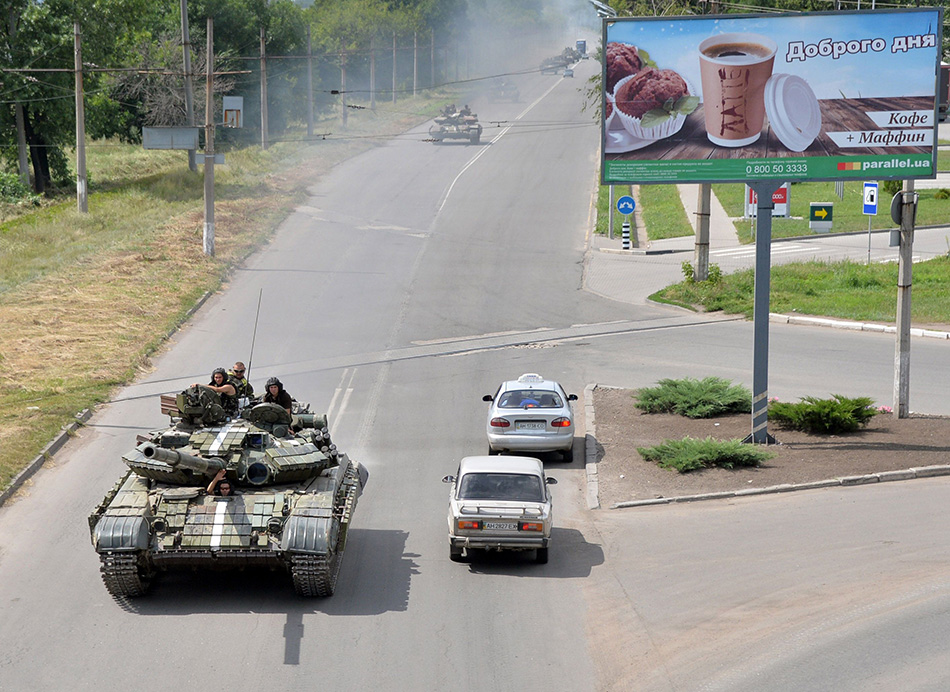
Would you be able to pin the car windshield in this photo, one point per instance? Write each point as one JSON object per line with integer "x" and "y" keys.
{"x": 529, "y": 398}
{"x": 518, "y": 487}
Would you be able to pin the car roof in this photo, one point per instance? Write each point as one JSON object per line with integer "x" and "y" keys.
{"x": 529, "y": 380}
{"x": 501, "y": 464}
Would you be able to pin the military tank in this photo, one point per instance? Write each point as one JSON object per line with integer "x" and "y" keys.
{"x": 290, "y": 508}
{"x": 456, "y": 125}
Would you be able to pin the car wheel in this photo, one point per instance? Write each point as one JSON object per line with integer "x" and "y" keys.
{"x": 567, "y": 456}
{"x": 455, "y": 554}
{"x": 541, "y": 556}
{"x": 492, "y": 452}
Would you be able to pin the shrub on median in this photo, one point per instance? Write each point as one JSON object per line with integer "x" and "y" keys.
{"x": 706, "y": 398}
{"x": 690, "y": 454}
{"x": 839, "y": 414}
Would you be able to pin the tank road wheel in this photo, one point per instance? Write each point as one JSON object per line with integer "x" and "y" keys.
{"x": 315, "y": 575}
{"x": 476, "y": 135}
{"x": 123, "y": 576}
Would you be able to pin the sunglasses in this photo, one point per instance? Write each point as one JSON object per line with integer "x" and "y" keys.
{"x": 238, "y": 372}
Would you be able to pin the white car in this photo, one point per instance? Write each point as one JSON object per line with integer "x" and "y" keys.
{"x": 499, "y": 504}
{"x": 531, "y": 414}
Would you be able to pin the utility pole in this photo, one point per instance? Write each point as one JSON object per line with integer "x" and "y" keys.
{"x": 343, "y": 81}
{"x": 372, "y": 73}
{"x": 189, "y": 86}
{"x": 209, "y": 146}
{"x": 394, "y": 67}
{"x": 263, "y": 93}
{"x": 82, "y": 194}
{"x": 904, "y": 280}
{"x": 415, "y": 62}
{"x": 309, "y": 84}
{"x": 701, "y": 251}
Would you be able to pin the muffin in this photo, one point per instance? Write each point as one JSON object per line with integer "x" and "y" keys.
{"x": 622, "y": 61}
{"x": 652, "y": 90}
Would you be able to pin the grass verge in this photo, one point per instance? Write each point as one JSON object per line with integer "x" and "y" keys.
{"x": 660, "y": 205}
{"x": 845, "y": 290}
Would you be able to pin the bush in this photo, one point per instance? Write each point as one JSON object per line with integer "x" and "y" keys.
{"x": 712, "y": 396}
{"x": 690, "y": 454}
{"x": 13, "y": 191}
{"x": 838, "y": 414}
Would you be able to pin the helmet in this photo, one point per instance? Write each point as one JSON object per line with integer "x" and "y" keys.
{"x": 274, "y": 380}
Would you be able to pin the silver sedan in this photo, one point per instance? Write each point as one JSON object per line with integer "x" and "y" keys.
{"x": 531, "y": 414}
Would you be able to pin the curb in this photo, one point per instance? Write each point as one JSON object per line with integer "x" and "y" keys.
{"x": 46, "y": 453}
{"x": 854, "y": 326}
{"x": 844, "y": 481}
{"x": 593, "y": 499}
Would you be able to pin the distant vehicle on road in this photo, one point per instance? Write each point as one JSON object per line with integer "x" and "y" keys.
{"x": 499, "y": 504}
{"x": 531, "y": 414}
{"x": 568, "y": 72}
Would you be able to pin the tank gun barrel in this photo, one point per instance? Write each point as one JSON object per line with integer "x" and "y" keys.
{"x": 174, "y": 458}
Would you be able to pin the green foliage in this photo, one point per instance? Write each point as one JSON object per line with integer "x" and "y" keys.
{"x": 688, "y": 272}
{"x": 690, "y": 454}
{"x": 13, "y": 191}
{"x": 832, "y": 416}
{"x": 891, "y": 187}
{"x": 706, "y": 398}
{"x": 942, "y": 193}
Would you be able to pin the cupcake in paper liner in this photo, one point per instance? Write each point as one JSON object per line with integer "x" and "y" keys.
{"x": 653, "y": 104}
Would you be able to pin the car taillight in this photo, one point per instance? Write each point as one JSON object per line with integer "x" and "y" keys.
{"x": 468, "y": 525}
{"x": 561, "y": 423}
{"x": 500, "y": 423}
{"x": 531, "y": 526}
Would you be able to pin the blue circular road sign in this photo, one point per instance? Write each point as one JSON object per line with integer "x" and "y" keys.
{"x": 626, "y": 205}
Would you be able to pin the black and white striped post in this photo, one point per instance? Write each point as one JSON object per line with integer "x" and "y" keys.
{"x": 626, "y": 205}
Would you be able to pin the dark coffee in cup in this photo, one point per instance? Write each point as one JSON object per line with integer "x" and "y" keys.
{"x": 734, "y": 69}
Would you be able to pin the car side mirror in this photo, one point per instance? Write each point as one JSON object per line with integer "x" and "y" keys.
{"x": 551, "y": 481}
{"x": 488, "y": 397}
{"x": 572, "y": 397}
{"x": 448, "y": 479}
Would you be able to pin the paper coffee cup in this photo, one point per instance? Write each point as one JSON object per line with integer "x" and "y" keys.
{"x": 734, "y": 69}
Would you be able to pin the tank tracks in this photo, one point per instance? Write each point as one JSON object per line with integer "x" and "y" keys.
{"x": 122, "y": 576}
{"x": 316, "y": 575}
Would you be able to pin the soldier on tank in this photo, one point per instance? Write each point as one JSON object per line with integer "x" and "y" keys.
{"x": 236, "y": 375}
{"x": 225, "y": 389}
{"x": 276, "y": 394}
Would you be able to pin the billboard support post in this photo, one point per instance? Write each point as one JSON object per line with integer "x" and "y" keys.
{"x": 904, "y": 281}
{"x": 701, "y": 251}
{"x": 760, "y": 313}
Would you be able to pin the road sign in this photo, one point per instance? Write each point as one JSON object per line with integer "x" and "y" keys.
{"x": 870, "y": 199}
{"x": 821, "y": 211}
{"x": 626, "y": 205}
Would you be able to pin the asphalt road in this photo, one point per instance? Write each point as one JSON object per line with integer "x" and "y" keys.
{"x": 414, "y": 279}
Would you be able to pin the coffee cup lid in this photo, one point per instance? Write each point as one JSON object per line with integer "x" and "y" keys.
{"x": 792, "y": 107}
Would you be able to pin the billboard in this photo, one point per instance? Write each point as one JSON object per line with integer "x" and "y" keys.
{"x": 732, "y": 98}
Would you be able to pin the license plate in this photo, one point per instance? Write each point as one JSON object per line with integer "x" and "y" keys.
{"x": 500, "y": 526}
{"x": 530, "y": 425}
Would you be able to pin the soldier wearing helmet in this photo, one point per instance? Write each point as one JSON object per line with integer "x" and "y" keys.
{"x": 225, "y": 389}
{"x": 276, "y": 394}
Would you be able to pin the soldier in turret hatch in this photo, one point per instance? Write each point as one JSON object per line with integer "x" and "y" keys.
{"x": 276, "y": 394}
{"x": 236, "y": 375}
{"x": 225, "y": 389}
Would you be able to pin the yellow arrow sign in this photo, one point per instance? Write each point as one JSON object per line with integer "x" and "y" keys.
{"x": 822, "y": 213}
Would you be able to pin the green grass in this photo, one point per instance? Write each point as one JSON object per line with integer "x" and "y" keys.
{"x": 845, "y": 290}
{"x": 848, "y": 212}
{"x": 663, "y": 213}
{"x": 660, "y": 206}
{"x": 691, "y": 454}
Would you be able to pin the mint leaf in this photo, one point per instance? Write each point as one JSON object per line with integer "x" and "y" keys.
{"x": 655, "y": 117}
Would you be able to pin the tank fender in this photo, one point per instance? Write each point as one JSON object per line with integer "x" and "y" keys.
{"x": 121, "y": 533}
{"x": 309, "y": 534}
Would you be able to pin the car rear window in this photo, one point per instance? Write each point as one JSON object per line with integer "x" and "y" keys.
{"x": 529, "y": 398}
{"x": 516, "y": 487}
